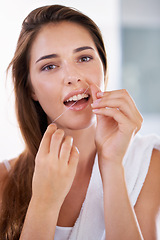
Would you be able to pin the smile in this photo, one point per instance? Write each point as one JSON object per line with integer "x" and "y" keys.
{"x": 77, "y": 97}
{"x": 77, "y": 101}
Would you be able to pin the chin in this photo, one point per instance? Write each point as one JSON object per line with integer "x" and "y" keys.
{"x": 77, "y": 123}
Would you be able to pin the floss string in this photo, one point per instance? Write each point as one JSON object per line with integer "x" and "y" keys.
{"x": 68, "y": 108}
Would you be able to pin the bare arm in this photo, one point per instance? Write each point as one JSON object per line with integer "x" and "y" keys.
{"x": 117, "y": 121}
{"x": 147, "y": 207}
{"x": 40, "y": 221}
{"x": 55, "y": 168}
{"x": 120, "y": 219}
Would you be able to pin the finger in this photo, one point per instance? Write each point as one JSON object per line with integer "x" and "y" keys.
{"x": 119, "y": 117}
{"x": 125, "y": 125}
{"x": 74, "y": 157}
{"x": 44, "y": 147}
{"x": 121, "y": 104}
{"x": 123, "y": 121}
{"x": 66, "y": 149}
{"x": 116, "y": 99}
{"x": 56, "y": 142}
{"x": 94, "y": 90}
{"x": 118, "y": 94}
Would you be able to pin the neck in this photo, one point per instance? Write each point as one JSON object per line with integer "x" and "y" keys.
{"x": 84, "y": 141}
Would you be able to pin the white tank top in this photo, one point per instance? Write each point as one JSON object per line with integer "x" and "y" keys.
{"x": 62, "y": 233}
{"x": 7, "y": 165}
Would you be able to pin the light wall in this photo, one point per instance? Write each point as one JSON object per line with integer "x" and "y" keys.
{"x": 141, "y": 58}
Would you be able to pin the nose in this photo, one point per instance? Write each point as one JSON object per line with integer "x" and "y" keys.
{"x": 71, "y": 75}
{"x": 72, "y": 81}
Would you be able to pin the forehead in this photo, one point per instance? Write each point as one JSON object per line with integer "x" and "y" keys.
{"x": 61, "y": 37}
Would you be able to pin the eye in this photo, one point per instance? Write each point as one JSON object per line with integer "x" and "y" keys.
{"x": 85, "y": 59}
{"x": 49, "y": 67}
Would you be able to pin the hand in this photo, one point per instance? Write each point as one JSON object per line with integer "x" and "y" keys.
{"x": 117, "y": 121}
{"x": 55, "y": 167}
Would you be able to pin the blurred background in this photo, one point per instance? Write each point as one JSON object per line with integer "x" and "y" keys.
{"x": 131, "y": 31}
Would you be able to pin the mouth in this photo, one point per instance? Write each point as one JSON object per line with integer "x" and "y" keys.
{"x": 77, "y": 100}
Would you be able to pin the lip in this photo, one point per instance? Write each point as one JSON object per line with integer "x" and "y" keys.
{"x": 76, "y": 92}
{"x": 80, "y": 106}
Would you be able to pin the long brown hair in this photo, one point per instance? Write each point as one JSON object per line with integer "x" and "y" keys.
{"x": 31, "y": 117}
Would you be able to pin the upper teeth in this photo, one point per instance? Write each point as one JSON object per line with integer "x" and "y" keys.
{"x": 77, "y": 97}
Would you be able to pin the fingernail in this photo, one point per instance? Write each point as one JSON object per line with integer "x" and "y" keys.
{"x": 95, "y": 110}
{"x": 77, "y": 149}
{"x": 53, "y": 124}
{"x": 100, "y": 94}
{"x": 71, "y": 140}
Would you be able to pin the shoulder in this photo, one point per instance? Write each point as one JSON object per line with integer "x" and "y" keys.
{"x": 148, "y": 203}
{"x": 151, "y": 187}
{"x": 140, "y": 149}
{"x": 137, "y": 162}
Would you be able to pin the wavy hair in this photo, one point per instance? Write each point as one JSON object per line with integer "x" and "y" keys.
{"x": 31, "y": 117}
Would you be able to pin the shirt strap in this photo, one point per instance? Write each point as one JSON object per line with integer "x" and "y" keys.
{"x": 7, "y": 165}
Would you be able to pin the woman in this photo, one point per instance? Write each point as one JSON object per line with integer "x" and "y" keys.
{"x": 83, "y": 167}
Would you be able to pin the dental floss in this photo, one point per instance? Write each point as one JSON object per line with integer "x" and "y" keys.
{"x": 69, "y": 107}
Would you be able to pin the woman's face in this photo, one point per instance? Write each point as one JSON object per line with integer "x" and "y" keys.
{"x": 64, "y": 62}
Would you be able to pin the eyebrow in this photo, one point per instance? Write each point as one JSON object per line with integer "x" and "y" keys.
{"x": 56, "y": 55}
{"x": 82, "y": 49}
{"x": 47, "y": 57}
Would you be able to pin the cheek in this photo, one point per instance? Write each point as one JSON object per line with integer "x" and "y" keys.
{"x": 49, "y": 99}
{"x": 47, "y": 93}
{"x": 48, "y": 96}
{"x": 100, "y": 78}
{"x": 96, "y": 76}
{"x": 43, "y": 87}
